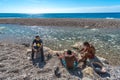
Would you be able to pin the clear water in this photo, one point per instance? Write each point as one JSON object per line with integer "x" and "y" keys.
{"x": 105, "y": 40}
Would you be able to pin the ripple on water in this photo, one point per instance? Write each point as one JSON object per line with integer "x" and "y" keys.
{"x": 65, "y": 36}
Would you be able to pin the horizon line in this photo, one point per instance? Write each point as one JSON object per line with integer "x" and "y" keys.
{"x": 56, "y": 13}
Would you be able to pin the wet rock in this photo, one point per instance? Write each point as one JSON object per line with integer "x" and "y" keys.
{"x": 77, "y": 45}
{"x": 0, "y": 32}
{"x": 26, "y": 44}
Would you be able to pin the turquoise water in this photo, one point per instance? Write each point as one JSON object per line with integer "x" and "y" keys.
{"x": 105, "y": 40}
{"x": 62, "y": 15}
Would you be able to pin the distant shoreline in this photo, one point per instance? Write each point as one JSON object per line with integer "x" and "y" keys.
{"x": 66, "y": 22}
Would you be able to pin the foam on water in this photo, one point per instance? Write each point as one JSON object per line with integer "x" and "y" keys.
{"x": 109, "y": 18}
{"x": 2, "y": 28}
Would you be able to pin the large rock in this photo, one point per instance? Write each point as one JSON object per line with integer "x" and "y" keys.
{"x": 77, "y": 45}
{"x": 103, "y": 60}
{"x": 88, "y": 71}
{"x": 46, "y": 51}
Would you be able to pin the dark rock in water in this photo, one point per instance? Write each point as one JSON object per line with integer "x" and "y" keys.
{"x": 1, "y": 33}
{"x": 26, "y": 44}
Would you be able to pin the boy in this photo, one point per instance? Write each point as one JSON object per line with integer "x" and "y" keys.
{"x": 37, "y": 46}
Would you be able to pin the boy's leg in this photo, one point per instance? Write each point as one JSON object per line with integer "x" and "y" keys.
{"x": 42, "y": 54}
{"x": 32, "y": 55}
{"x": 63, "y": 62}
{"x": 75, "y": 64}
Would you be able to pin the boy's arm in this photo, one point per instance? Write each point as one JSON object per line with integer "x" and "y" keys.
{"x": 84, "y": 57}
{"x": 33, "y": 44}
{"x": 60, "y": 56}
{"x": 41, "y": 43}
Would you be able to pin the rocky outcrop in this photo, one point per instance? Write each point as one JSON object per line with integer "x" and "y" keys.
{"x": 77, "y": 45}
{"x": 15, "y": 65}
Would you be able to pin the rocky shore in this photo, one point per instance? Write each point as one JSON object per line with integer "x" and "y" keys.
{"x": 87, "y": 23}
{"x": 15, "y": 65}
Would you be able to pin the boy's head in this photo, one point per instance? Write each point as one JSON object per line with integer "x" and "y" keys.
{"x": 37, "y": 37}
{"x": 86, "y": 44}
{"x": 69, "y": 52}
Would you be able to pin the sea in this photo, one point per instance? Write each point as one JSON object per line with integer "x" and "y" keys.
{"x": 62, "y": 15}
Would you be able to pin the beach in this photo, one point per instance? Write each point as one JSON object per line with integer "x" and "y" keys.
{"x": 85, "y": 23}
{"x": 14, "y": 60}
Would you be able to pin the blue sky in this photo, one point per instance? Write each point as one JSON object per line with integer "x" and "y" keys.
{"x": 59, "y": 6}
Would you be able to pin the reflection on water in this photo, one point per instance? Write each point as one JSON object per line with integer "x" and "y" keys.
{"x": 105, "y": 40}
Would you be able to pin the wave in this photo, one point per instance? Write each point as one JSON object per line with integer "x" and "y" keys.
{"x": 2, "y": 28}
{"x": 109, "y": 18}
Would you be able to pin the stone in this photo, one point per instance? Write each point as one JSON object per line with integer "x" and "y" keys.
{"x": 77, "y": 45}
{"x": 26, "y": 44}
{"x": 86, "y": 78}
{"x": 103, "y": 60}
{"x": 88, "y": 71}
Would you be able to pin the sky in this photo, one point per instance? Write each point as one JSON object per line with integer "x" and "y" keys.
{"x": 59, "y": 6}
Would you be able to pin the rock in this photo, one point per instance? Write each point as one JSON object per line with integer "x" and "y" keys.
{"x": 2, "y": 65}
{"x": 16, "y": 65}
{"x": 46, "y": 51}
{"x": 86, "y": 26}
{"x": 3, "y": 70}
{"x": 26, "y": 44}
{"x": 88, "y": 71}
{"x": 57, "y": 72}
{"x": 0, "y": 32}
{"x": 103, "y": 60}
{"x": 13, "y": 71}
{"x": 77, "y": 45}
{"x": 29, "y": 50}
{"x": 86, "y": 78}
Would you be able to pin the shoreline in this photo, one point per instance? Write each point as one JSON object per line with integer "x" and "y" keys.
{"x": 70, "y": 22}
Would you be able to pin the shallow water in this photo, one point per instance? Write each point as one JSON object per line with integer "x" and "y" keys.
{"x": 105, "y": 40}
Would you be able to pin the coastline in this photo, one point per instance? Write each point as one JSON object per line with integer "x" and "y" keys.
{"x": 14, "y": 58}
{"x": 83, "y": 23}
{"x": 70, "y": 22}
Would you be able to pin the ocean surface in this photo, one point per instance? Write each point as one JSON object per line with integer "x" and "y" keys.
{"x": 62, "y": 15}
{"x": 105, "y": 40}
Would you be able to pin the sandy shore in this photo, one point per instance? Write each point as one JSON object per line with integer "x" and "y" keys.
{"x": 87, "y": 23}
